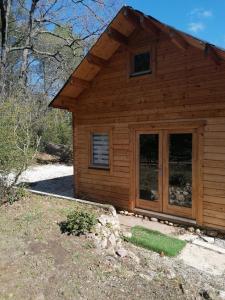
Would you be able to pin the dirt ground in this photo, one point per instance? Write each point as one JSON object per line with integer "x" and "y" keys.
{"x": 38, "y": 262}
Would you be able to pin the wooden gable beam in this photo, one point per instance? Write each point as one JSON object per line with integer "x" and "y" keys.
{"x": 131, "y": 17}
{"x": 178, "y": 40}
{"x": 65, "y": 102}
{"x": 211, "y": 53}
{"x": 140, "y": 21}
{"x": 117, "y": 36}
{"x": 148, "y": 26}
{"x": 81, "y": 82}
{"x": 95, "y": 60}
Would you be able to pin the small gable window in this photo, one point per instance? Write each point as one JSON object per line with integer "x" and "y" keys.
{"x": 141, "y": 64}
{"x": 100, "y": 150}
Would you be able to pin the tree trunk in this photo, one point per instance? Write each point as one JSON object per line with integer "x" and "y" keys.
{"x": 5, "y": 7}
{"x": 28, "y": 44}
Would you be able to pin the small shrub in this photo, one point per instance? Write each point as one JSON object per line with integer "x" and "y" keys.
{"x": 11, "y": 194}
{"x": 78, "y": 222}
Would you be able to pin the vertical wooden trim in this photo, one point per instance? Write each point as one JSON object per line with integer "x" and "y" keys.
{"x": 75, "y": 160}
{"x": 160, "y": 170}
{"x": 132, "y": 148}
{"x": 137, "y": 166}
{"x": 199, "y": 212}
{"x": 195, "y": 180}
{"x": 165, "y": 184}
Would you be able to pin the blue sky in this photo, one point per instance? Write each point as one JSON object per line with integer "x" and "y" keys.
{"x": 202, "y": 18}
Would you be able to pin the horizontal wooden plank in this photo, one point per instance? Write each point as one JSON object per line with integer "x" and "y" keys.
{"x": 214, "y": 207}
{"x": 215, "y": 149}
{"x": 214, "y": 222}
{"x": 214, "y": 171}
{"x": 214, "y": 178}
{"x": 212, "y": 142}
{"x": 215, "y": 156}
{"x": 214, "y": 199}
{"x": 214, "y": 185}
{"x": 211, "y": 163}
{"x": 212, "y": 191}
{"x": 214, "y": 226}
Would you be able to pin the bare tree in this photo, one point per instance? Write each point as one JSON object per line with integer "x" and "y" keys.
{"x": 28, "y": 26}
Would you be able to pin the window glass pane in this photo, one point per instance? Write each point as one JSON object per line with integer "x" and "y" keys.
{"x": 180, "y": 169}
{"x": 148, "y": 166}
{"x": 142, "y": 62}
{"x": 100, "y": 149}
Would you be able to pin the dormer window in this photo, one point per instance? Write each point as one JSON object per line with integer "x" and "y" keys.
{"x": 140, "y": 64}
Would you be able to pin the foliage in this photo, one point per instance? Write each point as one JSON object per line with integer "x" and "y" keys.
{"x": 156, "y": 241}
{"x": 56, "y": 127}
{"x": 78, "y": 222}
{"x": 18, "y": 145}
{"x": 12, "y": 194}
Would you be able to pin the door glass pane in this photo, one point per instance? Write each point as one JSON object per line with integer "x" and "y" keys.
{"x": 180, "y": 169}
{"x": 148, "y": 166}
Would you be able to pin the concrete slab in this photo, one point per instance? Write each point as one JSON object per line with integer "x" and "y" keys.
{"x": 209, "y": 246}
{"x": 198, "y": 254}
{"x": 203, "y": 259}
{"x": 130, "y": 221}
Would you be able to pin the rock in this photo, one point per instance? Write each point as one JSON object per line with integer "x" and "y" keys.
{"x": 112, "y": 240}
{"x": 104, "y": 243}
{"x": 102, "y": 220}
{"x": 130, "y": 214}
{"x": 154, "y": 219}
{"x": 140, "y": 216}
{"x": 208, "y": 239}
{"x": 191, "y": 229}
{"x": 162, "y": 222}
{"x": 171, "y": 274}
{"x": 127, "y": 234}
{"x": 40, "y": 297}
{"x": 113, "y": 211}
{"x": 134, "y": 257}
{"x": 166, "y": 222}
{"x": 222, "y": 294}
{"x": 126, "y": 213}
{"x": 146, "y": 277}
{"x": 212, "y": 233}
{"x": 182, "y": 230}
{"x": 205, "y": 295}
{"x": 146, "y": 218}
{"x": 121, "y": 212}
{"x": 162, "y": 254}
{"x": 198, "y": 231}
{"x": 121, "y": 252}
{"x": 170, "y": 224}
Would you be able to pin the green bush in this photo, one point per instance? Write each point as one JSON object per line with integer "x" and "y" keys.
{"x": 56, "y": 128}
{"x": 78, "y": 222}
{"x": 11, "y": 194}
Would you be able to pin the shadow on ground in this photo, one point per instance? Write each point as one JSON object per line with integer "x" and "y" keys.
{"x": 62, "y": 186}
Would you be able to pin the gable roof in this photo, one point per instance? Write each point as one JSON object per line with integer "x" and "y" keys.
{"x": 116, "y": 34}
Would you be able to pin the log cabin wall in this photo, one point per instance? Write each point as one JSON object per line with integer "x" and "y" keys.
{"x": 185, "y": 85}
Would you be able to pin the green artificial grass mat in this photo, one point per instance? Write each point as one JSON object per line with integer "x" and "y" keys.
{"x": 155, "y": 241}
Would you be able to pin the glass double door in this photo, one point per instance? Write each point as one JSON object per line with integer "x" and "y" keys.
{"x": 165, "y": 171}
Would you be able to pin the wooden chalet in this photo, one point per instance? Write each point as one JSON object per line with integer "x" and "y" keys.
{"x": 148, "y": 105}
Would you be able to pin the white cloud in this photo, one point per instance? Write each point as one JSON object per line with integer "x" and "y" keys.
{"x": 198, "y": 19}
{"x": 196, "y": 26}
{"x": 201, "y": 13}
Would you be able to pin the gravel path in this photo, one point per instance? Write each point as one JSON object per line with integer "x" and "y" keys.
{"x": 55, "y": 179}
